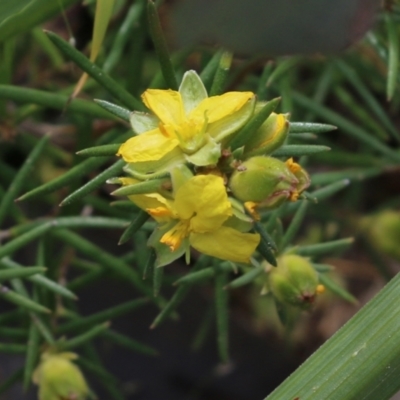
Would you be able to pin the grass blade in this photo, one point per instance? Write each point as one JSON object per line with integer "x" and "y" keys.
{"x": 96, "y": 73}
{"x": 160, "y": 46}
{"x": 20, "y": 179}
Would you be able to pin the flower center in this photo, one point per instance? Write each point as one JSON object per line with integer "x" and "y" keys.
{"x": 190, "y": 133}
{"x": 174, "y": 237}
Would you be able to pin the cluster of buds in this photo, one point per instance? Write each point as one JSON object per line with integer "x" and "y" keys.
{"x": 187, "y": 170}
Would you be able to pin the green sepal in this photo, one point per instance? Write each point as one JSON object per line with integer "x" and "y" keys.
{"x": 142, "y": 122}
{"x": 209, "y": 154}
{"x": 192, "y": 91}
{"x": 180, "y": 175}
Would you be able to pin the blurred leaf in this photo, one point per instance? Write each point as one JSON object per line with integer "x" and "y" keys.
{"x": 102, "y": 18}
{"x": 17, "y": 16}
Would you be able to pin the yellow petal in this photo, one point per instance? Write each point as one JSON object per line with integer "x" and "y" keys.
{"x": 226, "y": 244}
{"x": 149, "y": 146}
{"x": 204, "y": 201}
{"x": 153, "y": 203}
{"x": 217, "y": 107}
{"x": 166, "y": 104}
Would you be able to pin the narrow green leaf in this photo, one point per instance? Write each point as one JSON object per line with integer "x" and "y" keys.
{"x": 295, "y": 225}
{"x": 221, "y": 74}
{"x": 172, "y": 304}
{"x": 367, "y": 348}
{"x": 111, "y": 262}
{"x": 246, "y": 278}
{"x": 125, "y": 205}
{"x": 359, "y": 174}
{"x": 52, "y": 100}
{"x": 354, "y": 106}
{"x": 74, "y": 174}
{"x": 15, "y": 333}
{"x": 85, "y": 279}
{"x": 337, "y": 289}
{"x": 21, "y": 301}
{"x": 158, "y": 274}
{"x": 84, "y": 338}
{"x": 347, "y": 126}
{"x": 70, "y": 222}
{"x": 282, "y": 68}
{"x": 149, "y": 265}
{"x": 118, "y": 111}
{"x": 134, "y": 226}
{"x": 106, "y": 150}
{"x": 12, "y": 348}
{"x": 43, "y": 329}
{"x": 21, "y": 16}
{"x": 222, "y": 316}
{"x": 106, "y": 379}
{"x": 96, "y": 73}
{"x": 311, "y": 127}
{"x": 150, "y": 186}
{"x": 128, "y": 343}
{"x": 23, "y": 272}
{"x": 204, "y": 329}
{"x": 267, "y": 244}
{"x": 208, "y": 73}
{"x": 329, "y": 190}
{"x": 314, "y": 250}
{"x": 323, "y": 267}
{"x": 205, "y": 274}
{"x": 94, "y": 184}
{"x": 160, "y": 46}
{"x": 131, "y": 27}
{"x": 83, "y": 323}
{"x": 393, "y": 54}
{"x": 32, "y": 355}
{"x": 20, "y": 179}
{"x": 298, "y": 150}
{"x": 302, "y": 136}
{"x": 369, "y": 99}
{"x": 24, "y": 239}
{"x": 255, "y": 122}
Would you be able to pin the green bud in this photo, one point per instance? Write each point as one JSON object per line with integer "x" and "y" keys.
{"x": 59, "y": 378}
{"x": 294, "y": 281}
{"x": 264, "y": 180}
{"x": 270, "y": 136}
{"x": 383, "y": 231}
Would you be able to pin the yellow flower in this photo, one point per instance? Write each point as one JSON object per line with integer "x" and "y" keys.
{"x": 196, "y": 216}
{"x": 187, "y": 121}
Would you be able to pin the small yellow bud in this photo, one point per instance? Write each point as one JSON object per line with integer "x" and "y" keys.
{"x": 270, "y": 136}
{"x": 59, "y": 378}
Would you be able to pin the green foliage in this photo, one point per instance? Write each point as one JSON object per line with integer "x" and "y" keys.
{"x": 346, "y": 164}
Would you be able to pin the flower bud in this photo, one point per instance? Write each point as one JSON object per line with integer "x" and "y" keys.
{"x": 270, "y": 136}
{"x": 264, "y": 180}
{"x": 294, "y": 281}
{"x": 59, "y": 378}
{"x": 383, "y": 231}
